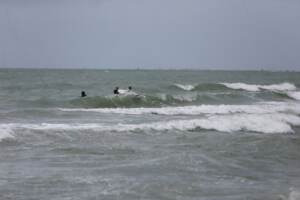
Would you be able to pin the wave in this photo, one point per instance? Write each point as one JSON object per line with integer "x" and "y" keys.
{"x": 5, "y": 133}
{"x": 294, "y": 194}
{"x": 166, "y": 100}
{"x": 128, "y": 101}
{"x": 256, "y": 88}
{"x": 261, "y": 123}
{"x": 185, "y": 87}
{"x": 235, "y": 86}
{"x": 261, "y": 108}
{"x": 294, "y": 95}
{"x": 154, "y": 100}
{"x": 201, "y": 87}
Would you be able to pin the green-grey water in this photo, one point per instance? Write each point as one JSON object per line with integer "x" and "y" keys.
{"x": 178, "y": 135}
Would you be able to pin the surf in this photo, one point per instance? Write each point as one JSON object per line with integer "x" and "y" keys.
{"x": 285, "y": 86}
{"x": 255, "y": 88}
{"x": 259, "y": 123}
{"x": 260, "y": 108}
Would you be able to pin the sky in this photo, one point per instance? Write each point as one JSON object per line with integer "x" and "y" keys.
{"x": 194, "y": 34}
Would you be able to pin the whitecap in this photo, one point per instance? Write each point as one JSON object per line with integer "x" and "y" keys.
{"x": 243, "y": 86}
{"x": 5, "y": 132}
{"x": 294, "y": 95}
{"x": 263, "y": 123}
{"x": 123, "y": 92}
{"x": 185, "y": 87}
{"x": 262, "y": 108}
{"x": 256, "y": 88}
{"x": 294, "y": 194}
{"x": 279, "y": 87}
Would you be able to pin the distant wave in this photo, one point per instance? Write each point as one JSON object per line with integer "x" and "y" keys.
{"x": 200, "y": 87}
{"x": 235, "y": 86}
{"x": 262, "y": 108}
{"x": 185, "y": 87}
{"x": 261, "y": 123}
{"x": 153, "y": 100}
{"x": 162, "y": 100}
{"x": 128, "y": 101}
{"x": 256, "y": 88}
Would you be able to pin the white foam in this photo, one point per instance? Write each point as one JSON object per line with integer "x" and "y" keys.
{"x": 5, "y": 132}
{"x": 256, "y": 88}
{"x": 262, "y": 108}
{"x": 243, "y": 86}
{"x": 294, "y": 95}
{"x": 263, "y": 123}
{"x": 123, "y": 92}
{"x": 279, "y": 87}
{"x": 185, "y": 87}
{"x": 294, "y": 194}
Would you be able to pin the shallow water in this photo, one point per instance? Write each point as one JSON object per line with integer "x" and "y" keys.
{"x": 186, "y": 135}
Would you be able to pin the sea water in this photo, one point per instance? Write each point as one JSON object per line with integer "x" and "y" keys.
{"x": 180, "y": 135}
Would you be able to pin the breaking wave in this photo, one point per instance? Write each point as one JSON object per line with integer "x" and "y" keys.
{"x": 235, "y": 86}
{"x": 262, "y": 108}
{"x": 256, "y": 88}
{"x": 294, "y": 194}
{"x": 168, "y": 100}
{"x": 5, "y": 132}
{"x": 154, "y": 100}
{"x": 128, "y": 101}
{"x": 261, "y": 123}
{"x": 201, "y": 87}
{"x": 294, "y": 95}
{"x": 185, "y": 87}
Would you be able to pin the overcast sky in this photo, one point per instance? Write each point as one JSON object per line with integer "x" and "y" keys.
{"x": 200, "y": 34}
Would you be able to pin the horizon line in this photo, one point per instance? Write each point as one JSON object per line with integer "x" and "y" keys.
{"x": 147, "y": 69}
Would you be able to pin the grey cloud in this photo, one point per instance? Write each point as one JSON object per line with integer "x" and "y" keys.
{"x": 158, "y": 33}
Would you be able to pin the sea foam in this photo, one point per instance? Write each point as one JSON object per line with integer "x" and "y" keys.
{"x": 256, "y": 88}
{"x": 263, "y": 123}
{"x": 185, "y": 87}
{"x": 294, "y": 95}
{"x": 5, "y": 132}
{"x": 294, "y": 194}
{"x": 262, "y": 108}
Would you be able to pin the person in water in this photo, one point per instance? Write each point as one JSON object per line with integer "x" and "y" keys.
{"x": 83, "y": 94}
{"x": 129, "y": 88}
{"x": 116, "y": 90}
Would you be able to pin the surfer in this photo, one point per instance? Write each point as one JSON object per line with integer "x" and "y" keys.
{"x": 129, "y": 88}
{"x": 83, "y": 94}
{"x": 116, "y": 90}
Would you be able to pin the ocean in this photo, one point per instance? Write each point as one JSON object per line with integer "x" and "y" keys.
{"x": 180, "y": 134}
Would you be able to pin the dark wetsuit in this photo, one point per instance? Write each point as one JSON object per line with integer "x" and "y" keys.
{"x": 83, "y": 94}
{"x": 116, "y": 91}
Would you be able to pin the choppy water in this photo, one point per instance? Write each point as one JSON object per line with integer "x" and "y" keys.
{"x": 185, "y": 135}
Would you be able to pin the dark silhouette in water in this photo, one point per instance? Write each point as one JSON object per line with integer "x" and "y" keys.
{"x": 129, "y": 88}
{"x": 83, "y": 94}
{"x": 116, "y": 90}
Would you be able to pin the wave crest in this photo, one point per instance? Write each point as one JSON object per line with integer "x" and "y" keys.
{"x": 127, "y": 101}
{"x": 185, "y": 87}
{"x": 263, "y": 123}
{"x": 5, "y": 133}
{"x": 294, "y": 95}
{"x": 262, "y": 108}
{"x": 256, "y": 88}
